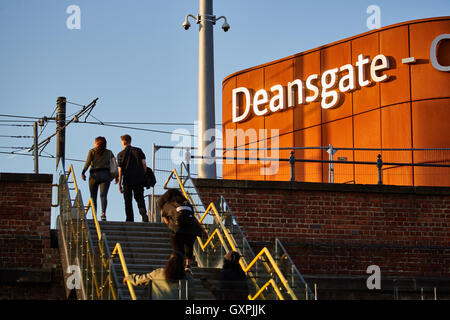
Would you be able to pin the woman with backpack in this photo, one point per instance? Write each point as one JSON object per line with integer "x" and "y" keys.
{"x": 178, "y": 214}
{"x": 99, "y": 160}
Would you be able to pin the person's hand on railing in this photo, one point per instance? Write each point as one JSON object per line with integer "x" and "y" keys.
{"x": 125, "y": 279}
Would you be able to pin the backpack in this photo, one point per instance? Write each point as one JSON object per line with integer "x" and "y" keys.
{"x": 183, "y": 220}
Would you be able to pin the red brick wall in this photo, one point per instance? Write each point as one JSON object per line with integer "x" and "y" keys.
{"x": 29, "y": 267}
{"x": 342, "y": 229}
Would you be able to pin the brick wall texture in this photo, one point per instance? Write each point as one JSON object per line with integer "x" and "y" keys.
{"x": 30, "y": 268}
{"x": 342, "y": 229}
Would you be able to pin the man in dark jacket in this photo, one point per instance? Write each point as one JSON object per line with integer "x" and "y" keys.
{"x": 132, "y": 167}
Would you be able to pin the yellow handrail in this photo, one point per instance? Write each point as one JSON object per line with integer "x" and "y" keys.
{"x": 94, "y": 216}
{"x": 242, "y": 261}
{"x": 274, "y": 285}
{"x": 118, "y": 250}
{"x": 91, "y": 262}
{"x": 219, "y": 235}
{"x": 71, "y": 171}
{"x": 234, "y": 247}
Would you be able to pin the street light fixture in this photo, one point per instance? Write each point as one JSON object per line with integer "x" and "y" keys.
{"x": 206, "y": 95}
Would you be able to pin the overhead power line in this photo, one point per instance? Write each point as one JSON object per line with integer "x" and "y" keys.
{"x": 136, "y": 128}
{"x": 105, "y": 122}
{"x": 17, "y": 137}
{"x": 76, "y": 104}
{"x": 17, "y": 116}
{"x": 30, "y": 155}
{"x": 17, "y": 121}
{"x": 15, "y": 125}
{"x": 154, "y": 123}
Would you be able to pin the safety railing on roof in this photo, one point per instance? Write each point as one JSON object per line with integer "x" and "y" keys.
{"x": 262, "y": 270}
{"x": 90, "y": 269}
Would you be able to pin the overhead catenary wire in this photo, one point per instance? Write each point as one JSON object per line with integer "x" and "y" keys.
{"x": 16, "y": 121}
{"x": 17, "y": 116}
{"x": 154, "y": 123}
{"x": 15, "y": 125}
{"x": 76, "y": 104}
{"x": 105, "y": 122}
{"x": 44, "y": 156}
{"x": 136, "y": 128}
{"x": 16, "y": 137}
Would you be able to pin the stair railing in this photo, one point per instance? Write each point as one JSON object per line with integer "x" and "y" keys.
{"x": 98, "y": 279}
{"x": 118, "y": 250}
{"x": 271, "y": 271}
{"x": 247, "y": 267}
{"x": 279, "y": 253}
{"x": 291, "y": 271}
{"x": 76, "y": 245}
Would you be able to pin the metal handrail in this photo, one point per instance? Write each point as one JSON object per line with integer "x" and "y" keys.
{"x": 100, "y": 237}
{"x": 77, "y": 239}
{"x": 232, "y": 243}
{"x": 225, "y": 207}
{"x": 117, "y": 249}
{"x": 285, "y": 254}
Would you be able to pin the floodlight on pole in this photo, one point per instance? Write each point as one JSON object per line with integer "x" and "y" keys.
{"x": 206, "y": 105}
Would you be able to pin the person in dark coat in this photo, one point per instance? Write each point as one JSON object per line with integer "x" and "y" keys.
{"x": 132, "y": 168}
{"x": 233, "y": 280}
{"x": 172, "y": 204}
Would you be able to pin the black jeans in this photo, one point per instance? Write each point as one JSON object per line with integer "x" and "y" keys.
{"x": 184, "y": 243}
{"x": 100, "y": 178}
{"x": 138, "y": 192}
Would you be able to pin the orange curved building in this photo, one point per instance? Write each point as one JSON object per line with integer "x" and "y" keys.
{"x": 384, "y": 89}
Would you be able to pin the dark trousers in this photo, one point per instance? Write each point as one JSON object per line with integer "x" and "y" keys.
{"x": 138, "y": 192}
{"x": 184, "y": 243}
{"x": 99, "y": 179}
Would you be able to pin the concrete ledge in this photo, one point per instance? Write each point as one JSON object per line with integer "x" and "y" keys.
{"x": 25, "y": 177}
{"x": 313, "y": 186}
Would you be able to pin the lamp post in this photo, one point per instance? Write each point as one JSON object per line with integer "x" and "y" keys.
{"x": 206, "y": 107}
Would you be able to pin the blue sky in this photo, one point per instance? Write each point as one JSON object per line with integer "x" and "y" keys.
{"x": 142, "y": 65}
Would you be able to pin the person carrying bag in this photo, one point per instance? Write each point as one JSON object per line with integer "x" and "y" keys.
{"x": 99, "y": 159}
{"x": 132, "y": 169}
